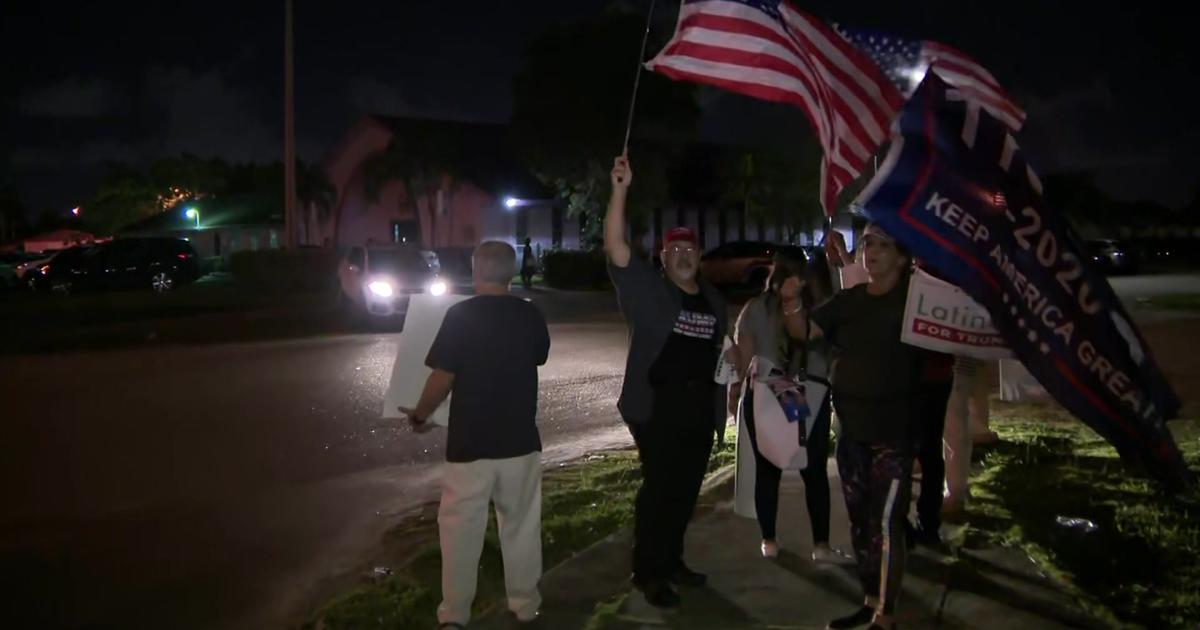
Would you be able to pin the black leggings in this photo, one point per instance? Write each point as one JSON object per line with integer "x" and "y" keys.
{"x": 816, "y": 476}
{"x": 931, "y": 420}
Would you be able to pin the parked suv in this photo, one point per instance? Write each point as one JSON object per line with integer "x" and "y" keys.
{"x": 158, "y": 264}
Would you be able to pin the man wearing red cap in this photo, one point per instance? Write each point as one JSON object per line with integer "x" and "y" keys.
{"x": 669, "y": 398}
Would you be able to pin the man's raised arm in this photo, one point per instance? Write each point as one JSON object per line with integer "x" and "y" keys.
{"x": 615, "y": 244}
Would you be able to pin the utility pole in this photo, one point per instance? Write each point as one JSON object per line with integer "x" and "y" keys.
{"x": 289, "y": 132}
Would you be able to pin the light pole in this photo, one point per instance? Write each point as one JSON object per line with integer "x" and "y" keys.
{"x": 289, "y": 133}
{"x": 193, "y": 213}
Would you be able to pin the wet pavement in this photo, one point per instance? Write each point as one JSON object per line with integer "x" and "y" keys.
{"x": 212, "y": 486}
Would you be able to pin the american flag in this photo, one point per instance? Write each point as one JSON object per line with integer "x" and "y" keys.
{"x": 905, "y": 62}
{"x": 768, "y": 50}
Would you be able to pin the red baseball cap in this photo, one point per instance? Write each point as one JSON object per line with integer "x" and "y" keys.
{"x": 680, "y": 234}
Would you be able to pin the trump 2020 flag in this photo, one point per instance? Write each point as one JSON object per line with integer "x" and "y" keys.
{"x": 956, "y": 189}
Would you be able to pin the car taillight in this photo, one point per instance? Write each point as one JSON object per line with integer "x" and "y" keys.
{"x": 184, "y": 256}
{"x": 44, "y": 269}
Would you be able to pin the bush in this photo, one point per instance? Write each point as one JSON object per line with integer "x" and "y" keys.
{"x": 564, "y": 269}
{"x": 280, "y": 270}
{"x": 212, "y": 264}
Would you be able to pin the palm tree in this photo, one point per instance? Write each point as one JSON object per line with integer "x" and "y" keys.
{"x": 316, "y": 195}
{"x": 425, "y": 164}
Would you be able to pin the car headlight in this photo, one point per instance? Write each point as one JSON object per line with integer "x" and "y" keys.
{"x": 381, "y": 288}
{"x": 437, "y": 288}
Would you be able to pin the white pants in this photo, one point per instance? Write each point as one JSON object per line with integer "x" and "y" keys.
{"x": 966, "y": 417}
{"x": 515, "y": 486}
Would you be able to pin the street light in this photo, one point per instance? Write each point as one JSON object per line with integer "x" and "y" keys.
{"x": 193, "y": 213}
{"x": 511, "y": 202}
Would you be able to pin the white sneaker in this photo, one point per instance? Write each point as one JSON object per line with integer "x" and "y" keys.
{"x": 825, "y": 555}
{"x": 770, "y": 549}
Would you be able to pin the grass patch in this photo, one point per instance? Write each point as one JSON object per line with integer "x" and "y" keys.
{"x": 606, "y": 613}
{"x": 1179, "y": 302}
{"x": 582, "y": 503}
{"x": 1142, "y": 566}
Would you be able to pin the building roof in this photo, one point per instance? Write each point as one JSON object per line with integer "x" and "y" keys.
{"x": 63, "y": 235}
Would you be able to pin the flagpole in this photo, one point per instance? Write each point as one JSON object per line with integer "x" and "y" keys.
{"x": 637, "y": 79}
{"x": 289, "y": 133}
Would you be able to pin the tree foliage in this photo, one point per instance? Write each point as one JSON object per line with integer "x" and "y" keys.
{"x": 426, "y": 162}
{"x": 775, "y": 187}
{"x": 570, "y": 103}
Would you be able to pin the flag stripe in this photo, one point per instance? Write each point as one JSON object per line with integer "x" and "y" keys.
{"x": 740, "y": 30}
{"x": 766, "y": 49}
{"x": 765, "y": 85}
{"x": 997, "y": 103}
{"x": 843, "y": 92}
{"x": 856, "y": 139}
{"x": 863, "y": 71}
{"x": 942, "y": 51}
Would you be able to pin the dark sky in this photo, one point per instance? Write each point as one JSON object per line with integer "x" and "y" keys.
{"x": 1109, "y": 88}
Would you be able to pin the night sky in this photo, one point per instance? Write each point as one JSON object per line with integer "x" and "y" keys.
{"x": 1109, "y": 87}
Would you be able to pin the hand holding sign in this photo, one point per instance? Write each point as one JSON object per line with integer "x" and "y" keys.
{"x": 419, "y": 425}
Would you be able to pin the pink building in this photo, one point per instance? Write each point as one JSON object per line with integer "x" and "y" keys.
{"x": 492, "y": 198}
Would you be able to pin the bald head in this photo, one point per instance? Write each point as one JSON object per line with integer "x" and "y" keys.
{"x": 495, "y": 262}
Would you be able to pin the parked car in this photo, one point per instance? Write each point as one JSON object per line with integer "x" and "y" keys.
{"x": 12, "y": 267}
{"x": 738, "y": 262}
{"x": 158, "y": 264}
{"x": 1112, "y": 255}
{"x": 35, "y": 274}
{"x": 746, "y": 263}
{"x": 27, "y": 269}
{"x": 380, "y": 279}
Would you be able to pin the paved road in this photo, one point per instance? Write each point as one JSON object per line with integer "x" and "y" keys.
{"x": 211, "y": 486}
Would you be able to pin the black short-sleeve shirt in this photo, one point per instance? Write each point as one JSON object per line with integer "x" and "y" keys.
{"x": 493, "y": 344}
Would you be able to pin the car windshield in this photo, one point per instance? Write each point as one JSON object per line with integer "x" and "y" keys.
{"x": 397, "y": 261}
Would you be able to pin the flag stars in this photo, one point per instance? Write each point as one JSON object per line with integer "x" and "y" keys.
{"x": 1044, "y": 348}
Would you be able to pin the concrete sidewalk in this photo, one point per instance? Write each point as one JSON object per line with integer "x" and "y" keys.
{"x": 989, "y": 588}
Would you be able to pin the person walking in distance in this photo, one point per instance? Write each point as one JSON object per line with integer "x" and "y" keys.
{"x": 528, "y": 265}
{"x": 487, "y": 353}
{"x": 668, "y": 398}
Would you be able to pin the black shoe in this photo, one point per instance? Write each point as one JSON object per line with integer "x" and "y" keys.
{"x": 658, "y": 593}
{"x": 683, "y": 576}
{"x": 876, "y": 626}
{"x": 860, "y": 617}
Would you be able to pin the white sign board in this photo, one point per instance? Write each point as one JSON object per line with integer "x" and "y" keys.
{"x": 421, "y": 325}
{"x": 941, "y": 317}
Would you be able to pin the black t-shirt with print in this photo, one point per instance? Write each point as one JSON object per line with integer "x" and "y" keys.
{"x": 690, "y": 355}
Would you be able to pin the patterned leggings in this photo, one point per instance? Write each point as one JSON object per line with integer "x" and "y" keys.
{"x": 877, "y": 483}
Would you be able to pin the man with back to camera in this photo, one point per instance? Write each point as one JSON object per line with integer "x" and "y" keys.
{"x": 487, "y": 352}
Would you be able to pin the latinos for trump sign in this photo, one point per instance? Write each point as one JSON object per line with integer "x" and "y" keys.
{"x": 955, "y": 189}
{"x": 940, "y": 317}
